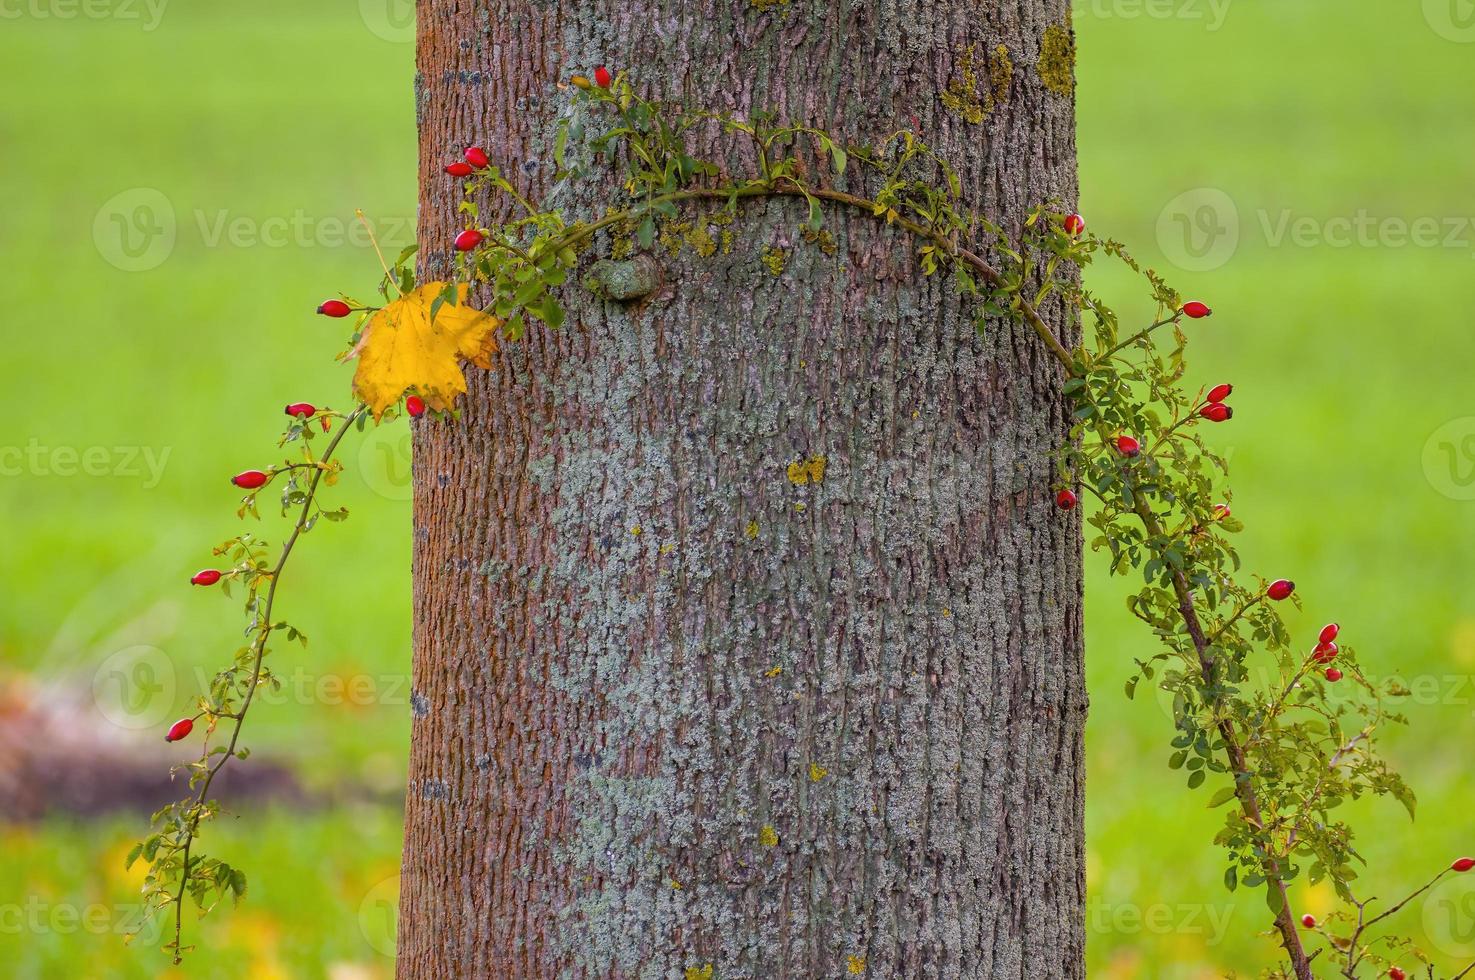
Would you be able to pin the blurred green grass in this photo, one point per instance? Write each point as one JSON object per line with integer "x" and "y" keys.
{"x": 1346, "y": 361}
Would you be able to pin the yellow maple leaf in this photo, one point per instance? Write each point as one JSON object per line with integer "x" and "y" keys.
{"x": 403, "y": 349}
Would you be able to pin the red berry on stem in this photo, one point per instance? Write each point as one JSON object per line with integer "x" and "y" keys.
{"x": 1281, "y": 589}
{"x": 1308, "y": 920}
{"x": 1074, "y": 224}
{"x": 1196, "y": 310}
{"x": 335, "y": 307}
{"x": 602, "y": 77}
{"x": 208, "y": 576}
{"x": 476, "y": 156}
{"x": 1325, "y": 653}
{"x": 1217, "y": 412}
{"x": 1463, "y": 864}
{"x": 1065, "y": 500}
{"x": 1128, "y": 446}
{"x": 301, "y": 410}
{"x": 1221, "y": 511}
{"x": 180, "y": 729}
{"x": 459, "y": 169}
{"x": 415, "y": 405}
{"x": 468, "y": 239}
{"x": 1220, "y": 392}
{"x": 1328, "y": 633}
{"x": 1333, "y": 674}
{"x": 1394, "y": 973}
{"x": 250, "y": 480}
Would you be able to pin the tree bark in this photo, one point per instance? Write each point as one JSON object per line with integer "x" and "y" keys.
{"x": 677, "y": 702}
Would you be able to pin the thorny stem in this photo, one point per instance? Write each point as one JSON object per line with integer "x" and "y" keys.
{"x": 263, "y": 632}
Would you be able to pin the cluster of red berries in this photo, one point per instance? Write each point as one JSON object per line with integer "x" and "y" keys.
{"x": 1326, "y": 650}
{"x": 1214, "y": 408}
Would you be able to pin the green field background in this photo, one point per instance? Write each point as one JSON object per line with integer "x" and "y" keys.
{"x": 1263, "y": 154}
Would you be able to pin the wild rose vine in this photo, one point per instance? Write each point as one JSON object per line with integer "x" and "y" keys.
{"x": 1253, "y": 725}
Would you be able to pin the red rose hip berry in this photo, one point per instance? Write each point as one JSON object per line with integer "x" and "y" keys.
{"x": 476, "y": 156}
{"x": 1128, "y": 446}
{"x": 180, "y": 729}
{"x": 208, "y": 576}
{"x": 1463, "y": 864}
{"x": 602, "y": 77}
{"x": 335, "y": 308}
{"x": 459, "y": 169}
{"x": 1220, "y": 392}
{"x": 250, "y": 480}
{"x": 1333, "y": 674}
{"x": 1328, "y": 633}
{"x": 1308, "y": 920}
{"x": 1065, "y": 500}
{"x": 1281, "y": 589}
{"x": 301, "y": 410}
{"x": 1325, "y": 653}
{"x": 468, "y": 239}
{"x": 1074, "y": 224}
{"x": 1196, "y": 310}
{"x": 415, "y": 405}
{"x": 1216, "y": 412}
{"x": 1394, "y": 973}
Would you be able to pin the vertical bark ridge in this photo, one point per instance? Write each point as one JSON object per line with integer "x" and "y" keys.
{"x": 611, "y": 559}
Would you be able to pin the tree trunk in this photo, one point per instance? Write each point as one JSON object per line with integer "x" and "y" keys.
{"x": 678, "y": 704}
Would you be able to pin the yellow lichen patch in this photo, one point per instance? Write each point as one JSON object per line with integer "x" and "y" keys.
{"x": 822, "y": 238}
{"x": 727, "y": 243}
{"x": 700, "y": 240}
{"x": 751, "y": 530}
{"x": 699, "y": 972}
{"x": 817, "y": 772}
{"x": 856, "y": 964}
{"x": 768, "y": 4}
{"x": 636, "y": 530}
{"x": 962, "y": 95}
{"x": 673, "y": 233}
{"x": 774, "y": 260}
{"x": 767, "y": 836}
{"x": 676, "y": 884}
{"x": 811, "y": 470}
{"x": 773, "y": 672}
{"x": 1058, "y": 60}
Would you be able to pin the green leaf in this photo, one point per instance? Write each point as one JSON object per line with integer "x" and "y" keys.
{"x": 1196, "y": 779}
{"x": 1221, "y": 797}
